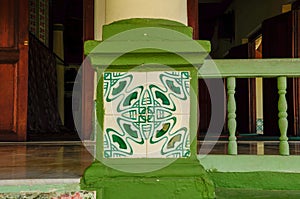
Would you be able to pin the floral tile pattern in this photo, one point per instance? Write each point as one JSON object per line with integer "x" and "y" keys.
{"x": 51, "y": 195}
{"x": 146, "y": 114}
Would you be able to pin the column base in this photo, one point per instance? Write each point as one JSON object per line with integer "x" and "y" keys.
{"x": 180, "y": 180}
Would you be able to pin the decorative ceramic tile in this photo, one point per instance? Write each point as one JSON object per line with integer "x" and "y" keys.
{"x": 260, "y": 126}
{"x": 122, "y": 91}
{"x": 146, "y": 110}
{"x": 171, "y": 138}
{"x": 123, "y": 138}
{"x": 174, "y": 86}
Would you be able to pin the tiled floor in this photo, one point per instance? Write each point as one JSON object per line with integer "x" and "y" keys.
{"x": 68, "y": 160}
{"x": 55, "y": 160}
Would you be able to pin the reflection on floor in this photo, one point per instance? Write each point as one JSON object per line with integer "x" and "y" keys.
{"x": 68, "y": 160}
{"x": 247, "y": 147}
{"x": 54, "y": 160}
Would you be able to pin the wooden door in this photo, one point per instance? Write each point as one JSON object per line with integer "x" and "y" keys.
{"x": 13, "y": 69}
{"x": 278, "y": 41}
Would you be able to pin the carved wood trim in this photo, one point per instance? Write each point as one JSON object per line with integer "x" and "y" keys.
{"x": 9, "y": 56}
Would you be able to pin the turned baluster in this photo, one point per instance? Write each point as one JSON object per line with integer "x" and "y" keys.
{"x": 282, "y": 115}
{"x": 231, "y": 109}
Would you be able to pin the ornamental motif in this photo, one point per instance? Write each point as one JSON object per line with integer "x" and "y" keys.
{"x": 146, "y": 114}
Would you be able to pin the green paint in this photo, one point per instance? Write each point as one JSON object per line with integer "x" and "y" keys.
{"x": 231, "y": 193}
{"x": 250, "y": 68}
{"x": 182, "y": 179}
{"x": 266, "y": 172}
{"x": 138, "y": 57}
{"x": 282, "y": 114}
{"x": 231, "y": 109}
{"x": 257, "y": 180}
{"x": 251, "y": 163}
{"x": 176, "y": 178}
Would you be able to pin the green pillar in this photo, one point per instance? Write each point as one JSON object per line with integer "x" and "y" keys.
{"x": 147, "y": 112}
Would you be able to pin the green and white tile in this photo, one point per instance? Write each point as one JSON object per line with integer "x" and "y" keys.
{"x": 123, "y": 138}
{"x": 174, "y": 87}
{"x": 146, "y": 114}
{"x": 121, "y": 90}
{"x": 171, "y": 139}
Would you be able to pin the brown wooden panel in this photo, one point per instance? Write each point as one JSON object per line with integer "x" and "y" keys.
{"x": 277, "y": 42}
{"x": 297, "y": 32}
{"x": 22, "y": 73}
{"x": 7, "y": 23}
{"x": 9, "y": 56}
{"x": 296, "y": 81}
{"x": 87, "y": 72}
{"x": 88, "y": 19}
{"x": 193, "y": 17}
{"x": 6, "y": 97}
{"x": 277, "y": 35}
{"x": 13, "y": 77}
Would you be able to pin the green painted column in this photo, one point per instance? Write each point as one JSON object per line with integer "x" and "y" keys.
{"x": 146, "y": 109}
{"x": 231, "y": 109}
{"x": 282, "y": 114}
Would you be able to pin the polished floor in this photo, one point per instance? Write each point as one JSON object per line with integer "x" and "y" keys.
{"x": 248, "y": 147}
{"x": 55, "y": 160}
{"x": 68, "y": 160}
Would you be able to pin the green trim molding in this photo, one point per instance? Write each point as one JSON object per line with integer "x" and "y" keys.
{"x": 250, "y": 68}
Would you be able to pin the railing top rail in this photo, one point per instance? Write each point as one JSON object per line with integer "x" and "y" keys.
{"x": 250, "y": 68}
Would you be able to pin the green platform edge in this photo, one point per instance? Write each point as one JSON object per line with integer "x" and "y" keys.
{"x": 185, "y": 177}
{"x": 255, "y": 172}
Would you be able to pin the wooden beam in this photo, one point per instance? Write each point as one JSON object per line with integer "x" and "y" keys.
{"x": 193, "y": 18}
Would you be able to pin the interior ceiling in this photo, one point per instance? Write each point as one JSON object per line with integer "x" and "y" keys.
{"x": 213, "y": 8}
{"x": 209, "y": 12}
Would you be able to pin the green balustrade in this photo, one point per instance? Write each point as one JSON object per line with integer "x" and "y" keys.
{"x": 282, "y": 114}
{"x": 231, "y": 108}
{"x": 253, "y": 68}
